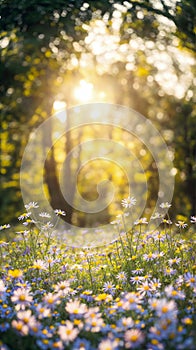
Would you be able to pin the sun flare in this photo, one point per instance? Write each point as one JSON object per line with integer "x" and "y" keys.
{"x": 59, "y": 106}
{"x": 59, "y": 109}
{"x": 84, "y": 92}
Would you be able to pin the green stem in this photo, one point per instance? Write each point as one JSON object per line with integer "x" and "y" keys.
{"x": 90, "y": 273}
{"x": 138, "y": 238}
{"x": 121, "y": 241}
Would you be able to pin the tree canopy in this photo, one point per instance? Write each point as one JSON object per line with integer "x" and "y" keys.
{"x": 144, "y": 49}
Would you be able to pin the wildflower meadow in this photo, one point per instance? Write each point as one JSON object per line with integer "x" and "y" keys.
{"x": 135, "y": 293}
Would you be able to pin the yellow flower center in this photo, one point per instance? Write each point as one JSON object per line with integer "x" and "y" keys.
{"x": 174, "y": 292}
{"x": 62, "y": 287}
{"x": 50, "y": 301}
{"x": 146, "y": 287}
{"x": 172, "y": 336}
{"x": 164, "y": 309}
{"x": 131, "y": 300}
{"x": 19, "y": 326}
{"x": 134, "y": 337}
{"x": 25, "y": 319}
{"x": 154, "y": 304}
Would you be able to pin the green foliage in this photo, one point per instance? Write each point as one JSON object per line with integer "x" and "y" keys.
{"x": 181, "y": 13}
{"x": 37, "y": 42}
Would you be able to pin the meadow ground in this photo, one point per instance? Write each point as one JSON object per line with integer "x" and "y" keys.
{"x": 135, "y": 293}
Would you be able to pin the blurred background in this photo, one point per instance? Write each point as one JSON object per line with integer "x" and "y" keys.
{"x": 55, "y": 55}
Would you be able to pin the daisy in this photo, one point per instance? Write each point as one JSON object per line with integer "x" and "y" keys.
{"x": 54, "y": 250}
{"x": 22, "y": 298}
{"x": 136, "y": 279}
{"x": 133, "y": 338}
{"x": 141, "y": 221}
{"x": 59, "y": 212}
{"x": 47, "y": 226}
{"x": 160, "y": 255}
{"x": 39, "y": 265}
{"x": 165, "y": 205}
{"x": 125, "y": 323}
{"x": 27, "y": 318}
{"x": 63, "y": 288}
{"x": 155, "y": 283}
{"x": 160, "y": 237}
{"x": 108, "y": 287}
{"x": 92, "y": 313}
{"x": 156, "y": 216}
{"x": 155, "y": 345}
{"x": 67, "y": 332}
{"x": 29, "y": 222}
{"x": 44, "y": 215}
{"x": 51, "y": 300}
{"x": 43, "y": 311}
{"x": 165, "y": 308}
{"x": 23, "y": 233}
{"x": 190, "y": 279}
{"x": 20, "y": 327}
{"x": 181, "y": 224}
{"x": 122, "y": 277}
{"x": 94, "y": 324}
{"x": 3, "y": 227}
{"x": 169, "y": 271}
{"x": 76, "y": 308}
{"x": 145, "y": 288}
{"x": 147, "y": 277}
{"x": 24, "y": 216}
{"x": 173, "y": 293}
{"x": 131, "y": 301}
{"x": 149, "y": 257}
{"x": 108, "y": 344}
{"x": 164, "y": 329}
{"x": 137, "y": 271}
{"x": 174, "y": 261}
{"x": 31, "y": 205}
{"x": 153, "y": 303}
{"x": 128, "y": 202}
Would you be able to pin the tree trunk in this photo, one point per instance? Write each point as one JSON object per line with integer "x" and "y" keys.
{"x": 57, "y": 199}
